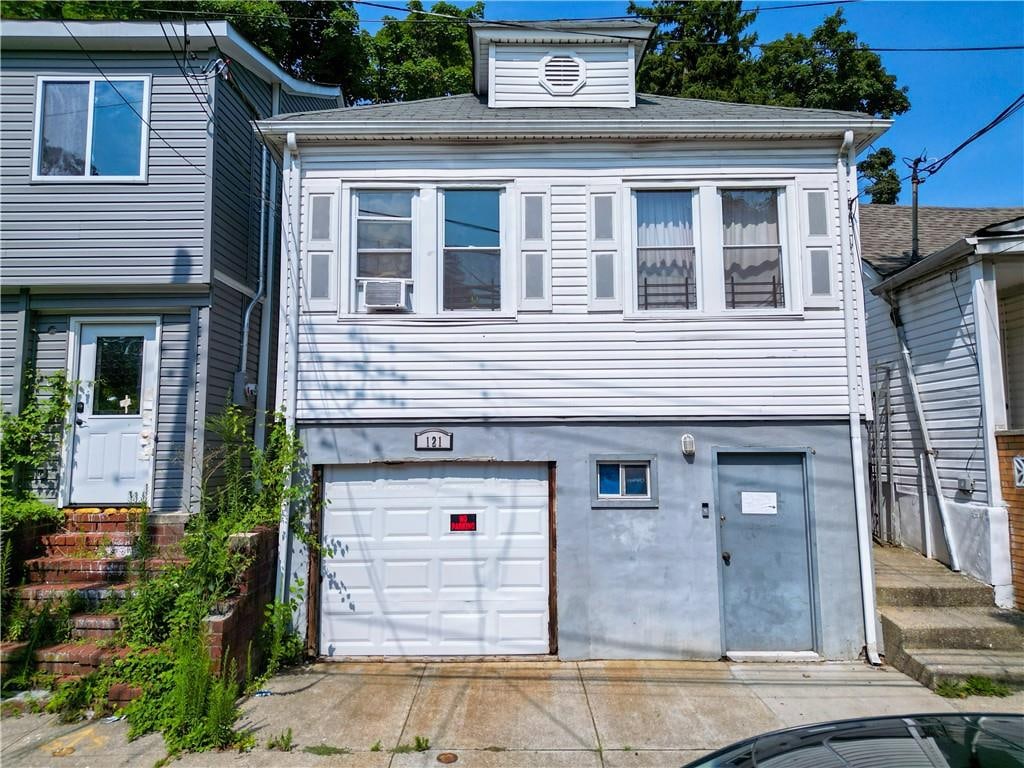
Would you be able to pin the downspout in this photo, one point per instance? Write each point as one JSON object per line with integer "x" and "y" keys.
{"x": 266, "y": 317}
{"x": 922, "y": 423}
{"x": 287, "y": 374}
{"x": 240, "y": 394}
{"x": 844, "y": 162}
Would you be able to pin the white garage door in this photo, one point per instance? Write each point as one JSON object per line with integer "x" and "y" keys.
{"x": 435, "y": 559}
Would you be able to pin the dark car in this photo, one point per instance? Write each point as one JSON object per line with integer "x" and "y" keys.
{"x": 912, "y": 741}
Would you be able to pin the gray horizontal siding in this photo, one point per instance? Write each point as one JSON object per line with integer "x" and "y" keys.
{"x": 290, "y": 102}
{"x": 10, "y": 349}
{"x": 55, "y": 233}
{"x": 50, "y": 355}
{"x": 236, "y": 185}
{"x": 177, "y": 364}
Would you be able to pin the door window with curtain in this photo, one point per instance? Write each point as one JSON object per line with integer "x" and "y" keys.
{"x": 665, "y": 254}
{"x": 752, "y": 249}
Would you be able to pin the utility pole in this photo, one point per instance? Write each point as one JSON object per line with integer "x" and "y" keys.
{"x": 915, "y": 182}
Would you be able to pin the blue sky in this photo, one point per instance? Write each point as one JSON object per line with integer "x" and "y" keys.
{"x": 951, "y": 94}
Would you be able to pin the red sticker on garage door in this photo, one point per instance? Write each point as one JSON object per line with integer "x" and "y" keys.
{"x": 463, "y": 522}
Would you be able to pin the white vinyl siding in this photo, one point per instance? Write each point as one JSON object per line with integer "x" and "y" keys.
{"x": 518, "y": 70}
{"x": 534, "y": 250}
{"x": 942, "y": 348}
{"x": 573, "y": 361}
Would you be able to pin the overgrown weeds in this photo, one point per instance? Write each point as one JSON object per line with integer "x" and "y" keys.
{"x": 282, "y": 742}
{"x": 972, "y": 686}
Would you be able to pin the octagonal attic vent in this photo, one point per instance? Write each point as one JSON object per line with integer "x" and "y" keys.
{"x": 562, "y": 74}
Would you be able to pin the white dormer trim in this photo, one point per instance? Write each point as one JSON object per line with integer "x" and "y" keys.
{"x": 561, "y": 80}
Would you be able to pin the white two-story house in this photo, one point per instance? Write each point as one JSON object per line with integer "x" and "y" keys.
{"x": 579, "y": 371}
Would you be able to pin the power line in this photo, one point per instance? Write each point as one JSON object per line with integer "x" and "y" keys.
{"x": 1013, "y": 108}
{"x": 181, "y": 66}
{"x": 129, "y": 104}
{"x": 539, "y": 26}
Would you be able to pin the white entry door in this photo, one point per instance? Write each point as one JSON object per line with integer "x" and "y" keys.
{"x": 113, "y": 431}
{"x": 435, "y": 559}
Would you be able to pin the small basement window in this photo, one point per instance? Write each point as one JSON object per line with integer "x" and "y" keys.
{"x": 624, "y": 481}
{"x": 562, "y": 74}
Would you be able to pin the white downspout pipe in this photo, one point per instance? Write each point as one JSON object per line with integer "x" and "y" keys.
{"x": 922, "y": 423}
{"x": 844, "y": 163}
{"x": 288, "y": 347}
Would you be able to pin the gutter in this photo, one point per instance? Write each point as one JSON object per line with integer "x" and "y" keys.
{"x": 867, "y": 572}
{"x": 497, "y": 129}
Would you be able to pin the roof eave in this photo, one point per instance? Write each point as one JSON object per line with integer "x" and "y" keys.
{"x": 930, "y": 263}
{"x": 148, "y": 35}
{"x": 865, "y": 133}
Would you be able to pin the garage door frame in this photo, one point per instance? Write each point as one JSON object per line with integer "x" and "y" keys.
{"x": 315, "y": 573}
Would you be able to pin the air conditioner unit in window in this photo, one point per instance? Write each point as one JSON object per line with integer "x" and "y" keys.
{"x": 384, "y": 294}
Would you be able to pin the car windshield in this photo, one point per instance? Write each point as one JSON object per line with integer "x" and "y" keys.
{"x": 957, "y": 741}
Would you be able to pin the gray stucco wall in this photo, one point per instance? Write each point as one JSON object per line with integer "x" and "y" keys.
{"x": 643, "y": 583}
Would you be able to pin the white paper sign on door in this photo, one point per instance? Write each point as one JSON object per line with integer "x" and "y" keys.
{"x": 758, "y": 503}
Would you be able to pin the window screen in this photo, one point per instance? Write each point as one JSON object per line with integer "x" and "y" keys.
{"x": 752, "y": 248}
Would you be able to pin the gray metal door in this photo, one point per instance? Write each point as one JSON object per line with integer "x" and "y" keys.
{"x": 766, "y": 576}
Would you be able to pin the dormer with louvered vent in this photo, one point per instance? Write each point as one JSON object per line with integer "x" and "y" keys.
{"x": 549, "y": 63}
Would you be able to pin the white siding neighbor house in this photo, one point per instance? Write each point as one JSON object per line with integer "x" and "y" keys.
{"x": 946, "y": 350}
{"x": 580, "y": 371}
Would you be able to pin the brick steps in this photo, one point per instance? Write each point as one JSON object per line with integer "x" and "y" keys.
{"x": 73, "y": 544}
{"x": 75, "y": 658}
{"x": 92, "y": 592}
{"x": 60, "y": 570}
{"x": 102, "y": 520}
{"x": 95, "y": 626}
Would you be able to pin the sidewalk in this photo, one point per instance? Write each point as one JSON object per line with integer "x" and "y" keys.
{"x": 513, "y": 714}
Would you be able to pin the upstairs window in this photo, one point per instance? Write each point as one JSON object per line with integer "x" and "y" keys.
{"x": 752, "y": 249}
{"x": 472, "y": 250}
{"x": 91, "y": 128}
{"x": 665, "y": 253}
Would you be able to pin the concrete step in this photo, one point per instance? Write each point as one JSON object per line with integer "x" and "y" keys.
{"x": 95, "y": 626}
{"x": 90, "y": 592}
{"x": 78, "y": 544}
{"x": 75, "y": 658}
{"x": 970, "y": 594}
{"x": 932, "y": 666}
{"x": 952, "y": 628}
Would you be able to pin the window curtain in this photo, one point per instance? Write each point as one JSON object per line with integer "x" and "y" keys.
{"x": 664, "y": 219}
{"x": 665, "y": 254}
{"x": 753, "y": 274}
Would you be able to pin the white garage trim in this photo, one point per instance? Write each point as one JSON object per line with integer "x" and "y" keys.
{"x": 398, "y": 580}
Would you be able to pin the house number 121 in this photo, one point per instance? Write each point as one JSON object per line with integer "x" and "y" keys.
{"x": 433, "y": 440}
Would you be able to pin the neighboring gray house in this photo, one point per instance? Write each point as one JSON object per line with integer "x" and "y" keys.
{"x": 946, "y": 345}
{"x": 139, "y": 224}
{"x": 580, "y": 370}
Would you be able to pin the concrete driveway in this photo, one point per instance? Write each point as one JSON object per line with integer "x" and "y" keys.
{"x": 512, "y": 714}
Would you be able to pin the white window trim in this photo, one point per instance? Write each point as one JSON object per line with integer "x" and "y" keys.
{"x": 700, "y": 245}
{"x": 789, "y": 237}
{"x": 614, "y": 246}
{"x": 427, "y": 250}
{"x": 311, "y": 247}
{"x": 37, "y": 133}
{"x": 811, "y": 242}
{"x": 543, "y": 245}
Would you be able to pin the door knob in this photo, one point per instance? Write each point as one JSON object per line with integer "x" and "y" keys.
{"x": 726, "y": 558}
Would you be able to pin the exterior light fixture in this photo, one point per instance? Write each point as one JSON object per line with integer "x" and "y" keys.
{"x": 688, "y": 445}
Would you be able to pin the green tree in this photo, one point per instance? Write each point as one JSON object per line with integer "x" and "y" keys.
{"x": 316, "y": 40}
{"x": 700, "y": 49}
{"x": 831, "y": 69}
{"x": 877, "y": 168}
{"x": 421, "y": 56}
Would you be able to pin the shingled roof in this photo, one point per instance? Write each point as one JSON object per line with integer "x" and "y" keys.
{"x": 469, "y": 106}
{"x": 885, "y": 231}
